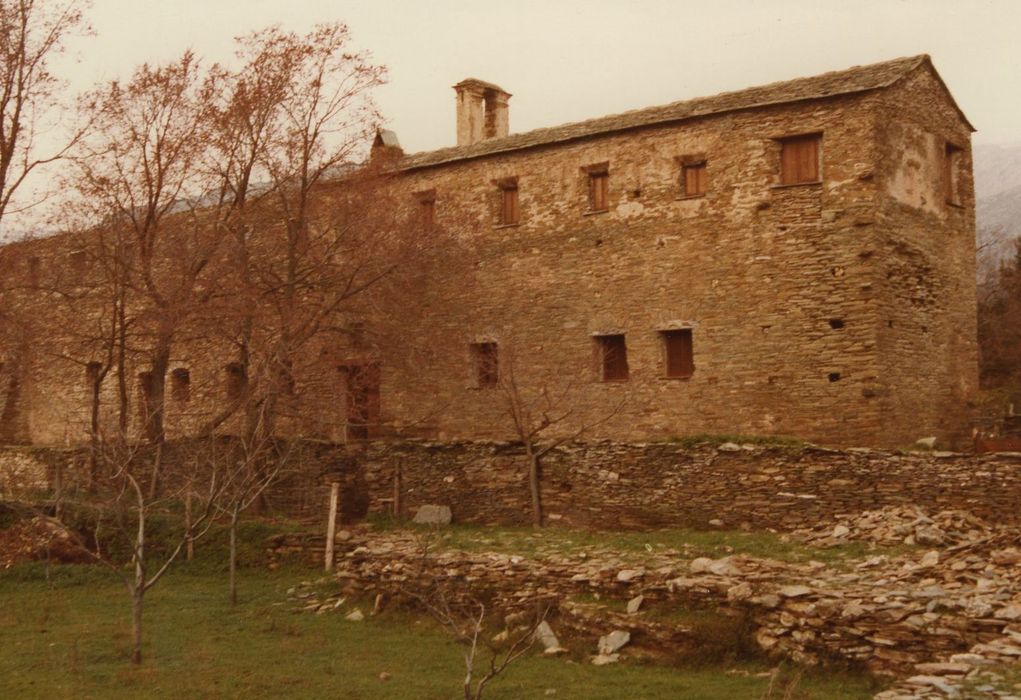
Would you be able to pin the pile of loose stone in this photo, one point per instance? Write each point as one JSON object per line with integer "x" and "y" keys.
{"x": 935, "y": 617}
{"x": 895, "y": 525}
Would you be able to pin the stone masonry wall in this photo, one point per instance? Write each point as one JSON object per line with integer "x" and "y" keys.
{"x": 924, "y": 252}
{"x": 841, "y": 312}
{"x": 618, "y": 485}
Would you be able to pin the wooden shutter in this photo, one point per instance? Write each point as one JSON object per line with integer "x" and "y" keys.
{"x": 694, "y": 179}
{"x": 615, "y": 367}
{"x": 680, "y": 359}
{"x": 949, "y": 168}
{"x": 599, "y": 191}
{"x": 510, "y": 213}
{"x": 799, "y": 159}
{"x": 487, "y": 364}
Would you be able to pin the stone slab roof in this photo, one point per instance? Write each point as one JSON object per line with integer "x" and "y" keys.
{"x": 852, "y": 80}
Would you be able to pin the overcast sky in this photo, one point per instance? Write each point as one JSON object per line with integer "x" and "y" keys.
{"x": 566, "y": 60}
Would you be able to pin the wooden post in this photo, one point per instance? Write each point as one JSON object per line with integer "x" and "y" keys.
{"x": 331, "y": 524}
{"x": 58, "y": 491}
{"x": 190, "y": 542}
{"x": 397, "y": 492}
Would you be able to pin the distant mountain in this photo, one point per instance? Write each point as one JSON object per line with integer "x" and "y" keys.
{"x": 998, "y": 195}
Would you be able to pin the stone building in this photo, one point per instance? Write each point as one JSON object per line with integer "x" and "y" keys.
{"x": 791, "y": 259}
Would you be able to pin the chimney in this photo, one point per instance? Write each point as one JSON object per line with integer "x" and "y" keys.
{"x": 482, "y": 111}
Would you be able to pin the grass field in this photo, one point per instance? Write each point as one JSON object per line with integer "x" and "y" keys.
{"x": 66, "y": 635}
{"x": 683, "y": 541}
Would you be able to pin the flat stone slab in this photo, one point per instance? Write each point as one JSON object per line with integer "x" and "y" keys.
{"x": 433, "y": 515}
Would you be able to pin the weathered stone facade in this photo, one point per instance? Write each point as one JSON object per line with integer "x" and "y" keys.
{"x": 840, "y": 310}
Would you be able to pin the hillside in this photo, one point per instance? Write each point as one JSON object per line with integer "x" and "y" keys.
{"x": 998, "y": 194}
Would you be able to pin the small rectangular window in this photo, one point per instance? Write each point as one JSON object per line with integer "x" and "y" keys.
{"x": 951, "y": 166}
{"x": 180, "y": 385}
{"x": 693, "y": 179}
{"x": 145, "y": 390}
{"x": 612, "y": 355}
{"x": 678, "y": 353}
{"x": 426, "y": 207}
{"x": 77, "y": 263}
{"x": 599, "y": 190}
{"x": 799, "y": 159}
{"x": 34, "y": 268}
{"x": 236, "y": 380}
{"x": 510, "y": 212}
{"x": 487, "y": 364}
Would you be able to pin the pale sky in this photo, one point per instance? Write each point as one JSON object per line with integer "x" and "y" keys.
{"x": 566, "y": 60}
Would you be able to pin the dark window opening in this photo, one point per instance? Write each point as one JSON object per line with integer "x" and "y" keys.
{"x": 599, "y": 190}
{"x": 144, "y": 397}
{"x": 426, "y": 207}
{"x": 612, "y": 351}
{"x": 362, "y": 388}
{"x": 834, "y": 376}
{"x": 180, "y": 385}
{"x": 693, "y": 179}
{"x": 678, "y": 352}
{"x": 510, "y": 210}
{"x": 836, "y": 323}
{"x": 236, "y": 380}
{"x": 77, "y": 263}
{"x": 799, "y": 159}
{"x": 951, "y": 168}
{"x": 288, "y": 386}
{"x": 487, "y": 364}
{"x": 34, "y": 267}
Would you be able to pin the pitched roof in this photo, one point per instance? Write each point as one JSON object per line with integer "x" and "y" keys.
{"x": 852, "y": 80}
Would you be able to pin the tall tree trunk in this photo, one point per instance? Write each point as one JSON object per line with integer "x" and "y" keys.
{"x": 156, "y": 405}
{"x": 136, "y": 624}
{"x": 233, "y": 557}
{"x": 122, "y": 369}
{"x": 138, "y": 589}
{"x": 94, "y": 435}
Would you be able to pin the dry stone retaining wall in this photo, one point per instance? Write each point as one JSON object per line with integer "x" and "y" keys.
{"x": 618, "y": 485}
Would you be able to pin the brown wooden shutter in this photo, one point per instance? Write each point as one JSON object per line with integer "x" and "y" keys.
{"x": 680, "y": 360}
{"x": 599, "y": 189}
{"x": 615, "y": 367}
{"x": 949, "y": 165}
{"x": 799, "y": 159}
{"x": 694, "y": 179}
{"x": 510, "y": 213}
{"x": 487, "y": 364}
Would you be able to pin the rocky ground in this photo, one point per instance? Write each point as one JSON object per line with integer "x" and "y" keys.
{"x": 39, "y": 539}
{"x": 941, "y": 620}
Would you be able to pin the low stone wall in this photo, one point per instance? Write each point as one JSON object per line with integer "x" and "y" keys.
{"x": 613, "y": 485}
{"x": 31, "y": 468}
{"x": 617, "y": 485}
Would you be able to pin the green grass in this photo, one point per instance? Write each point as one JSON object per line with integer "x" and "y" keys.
{"x": 708, "y": 439}
{"x": 683, "y": 541}
{"x": 68, "y": 637}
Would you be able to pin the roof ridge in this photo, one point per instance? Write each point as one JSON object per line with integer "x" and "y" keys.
{"x": 839, "y": 82}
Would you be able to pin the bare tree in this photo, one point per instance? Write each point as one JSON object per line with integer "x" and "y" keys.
{"x": 125, "y": 511}
{"x": 141, "y": 171}
{"x": 543, "y": 412}
{"x": 32, "y": 33}
{"x": 999, "y": 327}
{"x": 465, "y": 617}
